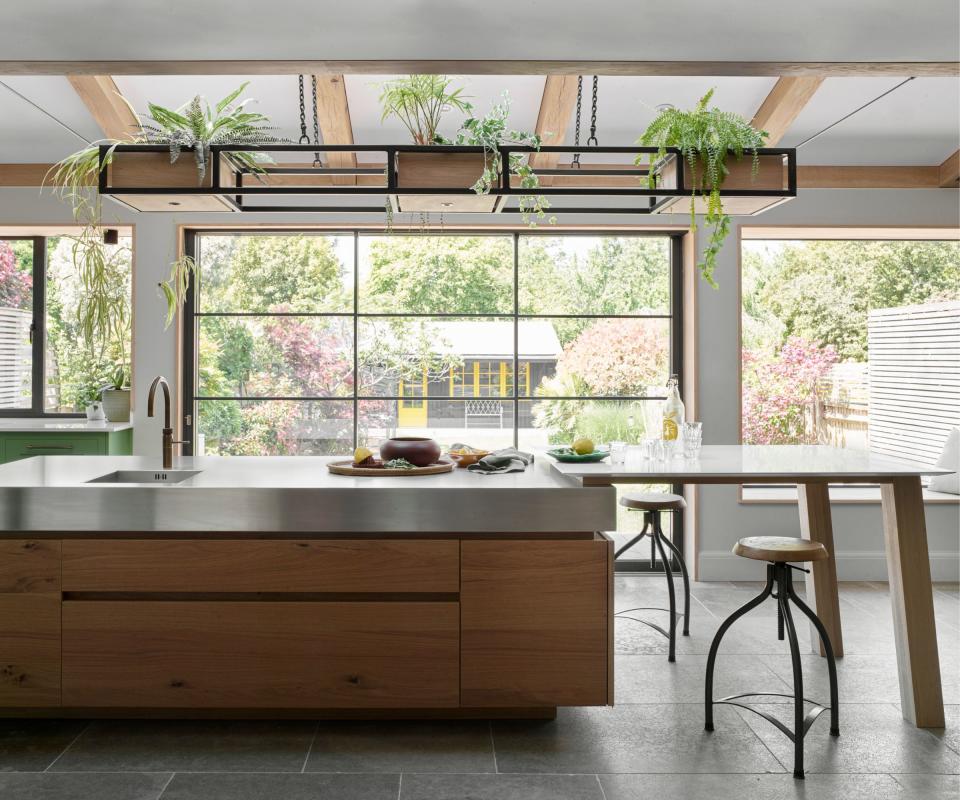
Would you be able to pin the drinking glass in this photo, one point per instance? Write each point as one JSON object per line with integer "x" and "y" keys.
{"x": 692, "y": 439}
{"x": 648, "y": 448}
{"x": 618, "y": 452}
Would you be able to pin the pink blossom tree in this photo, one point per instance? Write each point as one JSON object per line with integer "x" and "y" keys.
{"x": 15, "y": 286}
{"x": 780, "y": 392}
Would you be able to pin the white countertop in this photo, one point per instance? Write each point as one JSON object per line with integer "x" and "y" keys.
{"x": 751, "y": 463}
{"x": 64, "y": 425}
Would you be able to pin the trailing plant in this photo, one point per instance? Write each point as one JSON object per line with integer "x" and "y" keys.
{"x": 174, "y": 288}
{"x": 103, "y": 305}
{"x": 705, "y": 137}
{"x": 419, "y": 101}
{"x": 491, "y": 132}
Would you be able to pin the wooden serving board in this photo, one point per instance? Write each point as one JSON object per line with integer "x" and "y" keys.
{"x": 347, "y": 468}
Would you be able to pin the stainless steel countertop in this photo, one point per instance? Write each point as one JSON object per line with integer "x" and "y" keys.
{"x": 292, "y": 495}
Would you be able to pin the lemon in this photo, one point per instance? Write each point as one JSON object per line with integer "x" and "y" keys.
{"x": 361, "y": 454}
{"x": 582, "y": 446}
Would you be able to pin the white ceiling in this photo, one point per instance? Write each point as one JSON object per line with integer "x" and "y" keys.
{"x": 919, "y": 123}
{"x": 681, "y": 30}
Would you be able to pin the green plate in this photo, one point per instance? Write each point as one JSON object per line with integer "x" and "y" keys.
{"x": 567, "y": 456}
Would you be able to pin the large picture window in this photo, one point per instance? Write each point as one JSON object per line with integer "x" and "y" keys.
{"x": 853, "y": 343}
{"x": 308, "y": 343}
{"x": 47, "y": 366}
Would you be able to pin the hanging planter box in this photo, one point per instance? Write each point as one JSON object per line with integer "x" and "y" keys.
{"x": 130, "y": 169}
{"x": 771, "y": 176}
{"x": 441, "y": 171}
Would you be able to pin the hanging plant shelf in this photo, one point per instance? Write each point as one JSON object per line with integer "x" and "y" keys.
{"x": 432, "y": 178}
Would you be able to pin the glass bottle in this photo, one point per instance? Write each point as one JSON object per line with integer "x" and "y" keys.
{"x": 673, "y": 412}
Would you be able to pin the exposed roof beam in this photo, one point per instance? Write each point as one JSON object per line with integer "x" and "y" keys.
{"x": 783, "y": 105}
{"x": 102, "y": 98}
{"x": 556, "y": 107}
{"x": 23, "y": 174}
{"x": 949, "y": 171}
{"x": 333, "y": 114}
{"x": 491, "y": 67}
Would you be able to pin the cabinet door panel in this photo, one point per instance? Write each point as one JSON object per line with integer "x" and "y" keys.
{"x": 29, "y": 650}
{"x": 29, "y": 565}
{"x": 534, "y": 623}
{"x": 179, "y": 654}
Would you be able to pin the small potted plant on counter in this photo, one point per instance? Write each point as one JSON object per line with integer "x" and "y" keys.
{"x": 116, "y": 395}
{"x": 706, "y": 137}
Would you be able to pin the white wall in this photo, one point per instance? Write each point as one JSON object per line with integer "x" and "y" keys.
{"x": 722, "y": 519}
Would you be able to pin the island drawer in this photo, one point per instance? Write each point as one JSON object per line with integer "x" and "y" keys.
{"x": 172, "y": 654}
{"x": 302, "y": 566}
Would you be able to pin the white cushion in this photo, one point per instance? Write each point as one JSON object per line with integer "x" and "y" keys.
{"x": 949, "y": 459}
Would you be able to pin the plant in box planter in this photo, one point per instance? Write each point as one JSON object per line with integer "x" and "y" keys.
{"x": 705, "y": 138}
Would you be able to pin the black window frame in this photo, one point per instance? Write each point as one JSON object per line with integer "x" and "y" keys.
{"x": 38, "y": 338}
{"x": 191, "y": 315}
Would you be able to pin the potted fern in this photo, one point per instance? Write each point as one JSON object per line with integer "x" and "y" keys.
{"x": 706, "y": 138}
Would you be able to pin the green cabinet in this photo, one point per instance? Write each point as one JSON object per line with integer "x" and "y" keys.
{"x": 14, "y": 446}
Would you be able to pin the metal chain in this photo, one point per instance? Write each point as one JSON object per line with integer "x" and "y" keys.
{"x": 593, "y": 115}
{"x": 576, "y": 133}
{"x": 316, "y": 123}
{"x": 304, "y": 139}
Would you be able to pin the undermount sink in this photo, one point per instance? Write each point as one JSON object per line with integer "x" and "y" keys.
{"x": 146, "y": 476}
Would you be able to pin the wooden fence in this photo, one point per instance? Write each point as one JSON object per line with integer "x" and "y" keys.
{"x": 914, "y": 379}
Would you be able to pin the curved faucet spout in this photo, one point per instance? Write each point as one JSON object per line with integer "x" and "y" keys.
{"x": 162, "y": 383}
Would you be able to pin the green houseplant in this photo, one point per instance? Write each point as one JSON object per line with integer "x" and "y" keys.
{"x": 116, "y": 393}
{"x": 196, "y": 125}
{"x": 705, "y": 137}
{"x": 419, "y": 102}
{"x": 491, "y": 132}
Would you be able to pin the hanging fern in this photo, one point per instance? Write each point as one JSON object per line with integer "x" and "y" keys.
{"x": 705, "y": 137}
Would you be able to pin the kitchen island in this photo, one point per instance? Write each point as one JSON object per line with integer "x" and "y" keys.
{"x": 267, "y": 586}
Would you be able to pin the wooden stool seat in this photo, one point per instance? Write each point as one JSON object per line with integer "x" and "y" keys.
{"x": 780, "y": 549}
{"x": 653, "y": 501}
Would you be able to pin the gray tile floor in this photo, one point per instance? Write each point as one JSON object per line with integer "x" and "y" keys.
{"x": 650, "y": 745}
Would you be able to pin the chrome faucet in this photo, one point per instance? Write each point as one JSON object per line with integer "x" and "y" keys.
{"x": 168, "y": 441}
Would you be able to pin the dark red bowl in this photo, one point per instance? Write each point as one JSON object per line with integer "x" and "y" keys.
{"x": 418, "y": 450}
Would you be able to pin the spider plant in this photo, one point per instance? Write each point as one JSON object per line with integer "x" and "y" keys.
{"x": 419, "y": 102}
{"x": 490, "y": 132}
{"x": 174, "y": 288}
{"x": 705, "y": 136}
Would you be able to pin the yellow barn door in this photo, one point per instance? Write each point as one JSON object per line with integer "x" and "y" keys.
{"x": 412, "y": 409}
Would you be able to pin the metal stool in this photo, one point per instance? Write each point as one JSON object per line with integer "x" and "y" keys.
{"x": 652, "y": 505}
{"x": 778, "y": 550}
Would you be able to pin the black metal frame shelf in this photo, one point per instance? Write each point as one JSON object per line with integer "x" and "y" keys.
{"x": 234, "y": 191}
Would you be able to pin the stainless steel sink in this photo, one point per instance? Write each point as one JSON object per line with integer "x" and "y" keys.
{"x": 147, "y": 477}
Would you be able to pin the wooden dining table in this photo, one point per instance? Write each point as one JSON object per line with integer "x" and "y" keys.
{"x": 813, "y": 468}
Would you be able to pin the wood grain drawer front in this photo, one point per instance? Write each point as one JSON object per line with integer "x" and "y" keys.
{"x": 345, "y": 566}
{"x": 29, "y": 566}
{"x": 29, "y": 650}
{"x": 260, "y": 654}
{"x": 534, "y": 623}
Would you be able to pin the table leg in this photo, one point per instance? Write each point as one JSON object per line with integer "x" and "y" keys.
{"x": 822, "y": 596}
{"x": 911, "y": 593}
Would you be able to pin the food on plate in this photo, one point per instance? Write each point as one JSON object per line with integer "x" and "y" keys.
{"x": 363, "y": 457}
{"x": 583, "y": 446}
{"x": 398, "y": 463}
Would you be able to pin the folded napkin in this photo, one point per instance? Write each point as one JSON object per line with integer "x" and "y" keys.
{"x": 507, "y": 460}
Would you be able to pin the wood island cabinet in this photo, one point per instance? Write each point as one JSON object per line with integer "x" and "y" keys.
{"x": 383, "y": 626}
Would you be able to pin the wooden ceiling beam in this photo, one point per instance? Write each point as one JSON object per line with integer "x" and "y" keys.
{"x": 15, "y": 175}
{"x": 333, "y": 115}
{"x": 556, "y": 108}
{"x": 948, "y": 173}
{"x": 101, "y": 96}
{"x": 486, "y": 67}
{"x": 783, "y": 105}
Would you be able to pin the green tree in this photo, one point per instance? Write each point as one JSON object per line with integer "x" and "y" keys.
{"x": 301, "y": 272}
{"x": 823, "y": 291}
{"x": 440, "y": 274}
